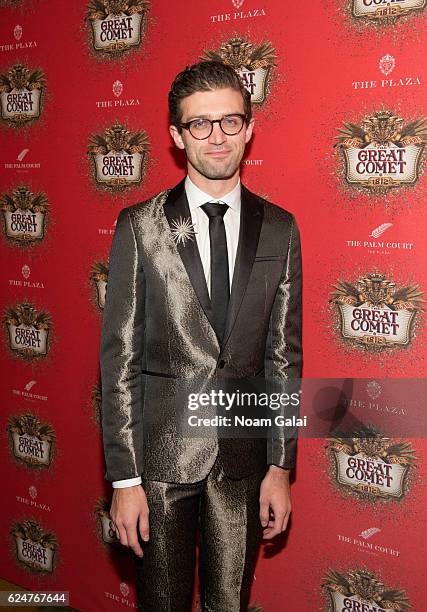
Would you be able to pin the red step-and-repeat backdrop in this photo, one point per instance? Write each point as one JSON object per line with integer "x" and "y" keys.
{"x": 338, "y": 88}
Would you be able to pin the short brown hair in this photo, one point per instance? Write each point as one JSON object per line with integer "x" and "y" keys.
{"x": 206, "y": 75}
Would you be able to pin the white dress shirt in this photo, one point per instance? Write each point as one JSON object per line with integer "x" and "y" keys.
{"x": 196, "y": 198}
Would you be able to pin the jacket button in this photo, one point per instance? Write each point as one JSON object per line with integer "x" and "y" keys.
{"x": 221, "y": 363}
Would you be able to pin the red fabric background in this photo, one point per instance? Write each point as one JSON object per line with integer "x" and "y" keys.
{"x": 321, "y": 51}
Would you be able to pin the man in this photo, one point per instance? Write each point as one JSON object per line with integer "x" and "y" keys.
{"x": 204, "y": 282}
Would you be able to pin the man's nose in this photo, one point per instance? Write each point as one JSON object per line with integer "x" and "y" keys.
{"x": 217, "y": 136}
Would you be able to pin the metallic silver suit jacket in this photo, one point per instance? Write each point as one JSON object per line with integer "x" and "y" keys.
{"x": 157, "y": 330}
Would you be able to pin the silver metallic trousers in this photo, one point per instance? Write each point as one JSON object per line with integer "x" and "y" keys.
{"x": 219, "y": 514}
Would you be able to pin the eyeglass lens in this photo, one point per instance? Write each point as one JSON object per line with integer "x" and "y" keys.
{"x": 230, "y": 125}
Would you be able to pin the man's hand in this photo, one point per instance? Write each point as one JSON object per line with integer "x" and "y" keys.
{"x": 274, "y": 501}
{"x": 129, "y": 511}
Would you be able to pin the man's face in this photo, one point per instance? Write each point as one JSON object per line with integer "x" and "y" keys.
{"x": 218, "y": 156}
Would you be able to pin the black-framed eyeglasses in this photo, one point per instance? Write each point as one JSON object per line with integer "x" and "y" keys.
{"x": 203, "y": 128}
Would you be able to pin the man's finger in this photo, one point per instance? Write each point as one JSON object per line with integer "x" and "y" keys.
{"x": 264, "y": 513}
{"x": 285, "y": 521}
{"x": 266, "y": 530}
{"x": 144, "y": 528}
{"x": 278, "y": 522}
{"x": 121, "y": 534}
{"x": 133, "y": 542}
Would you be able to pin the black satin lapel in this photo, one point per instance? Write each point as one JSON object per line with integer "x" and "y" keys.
{"x": 176, "y": 206}
{"x": 251, "y": 216}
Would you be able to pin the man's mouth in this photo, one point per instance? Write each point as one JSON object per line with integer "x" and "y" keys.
{"x": 218, "y": 153}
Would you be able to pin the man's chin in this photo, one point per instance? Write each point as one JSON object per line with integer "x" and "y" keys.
{"x": 218, "y": 174}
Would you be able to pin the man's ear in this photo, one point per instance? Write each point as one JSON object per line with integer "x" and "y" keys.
{"x": 249, "y": 130}
{"x": 177, "y": 138}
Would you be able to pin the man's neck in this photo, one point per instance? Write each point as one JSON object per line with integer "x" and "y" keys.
{"x": 214, "y": 187}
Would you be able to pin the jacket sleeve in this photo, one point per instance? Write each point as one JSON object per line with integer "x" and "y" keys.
{"x": 283, "y": 357}
{"x": 121, "y": 350}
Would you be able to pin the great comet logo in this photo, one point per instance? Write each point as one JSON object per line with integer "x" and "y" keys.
{"x": 32, "y": 442}
{"x": 21, "y": 94}
{"x": 253, "y": 64}
{"x": 117, "y": 25}
{"x": 385, "y": 11}
{"x": 99, "y": 278}
{"x": 96, "y": 404}
{"x": 371, "y": 466}
{"x": 361, "y": 589}
{"x": 35, "y": 548}
{"x": 24, "y": 216}
{"x": 28, "y": 331}
{"x": 382, "y": 152}
{"x": 103, "y": 522}
{"x": 375, "y": 314}
{"x": 119, "y": 157}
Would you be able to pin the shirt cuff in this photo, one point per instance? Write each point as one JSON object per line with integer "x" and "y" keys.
{"x": 127, "y": 482}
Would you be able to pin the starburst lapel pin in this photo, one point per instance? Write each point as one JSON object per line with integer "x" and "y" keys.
{"x": 182, "y": 230}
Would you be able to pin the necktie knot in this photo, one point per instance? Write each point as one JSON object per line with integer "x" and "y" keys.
{"x": 215, "y": 209}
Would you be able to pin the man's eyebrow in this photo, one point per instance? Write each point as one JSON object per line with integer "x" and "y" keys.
{"x": 210, "y": 116}
{"x": 198, "y": 117}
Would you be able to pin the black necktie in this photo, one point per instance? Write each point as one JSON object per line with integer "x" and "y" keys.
{"x": 220, "y": 282}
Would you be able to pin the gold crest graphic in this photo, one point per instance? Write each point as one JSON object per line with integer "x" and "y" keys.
{"x": 24, "y": 216}
{"x": 253, "y": 64}
{"x": 383, "y": 152}
{"x": 375, "y": 314}
{"x": 117, "y": 25}
{"x": 96, "y": 403}
{"x": 21, "y": 94}
{"x": 355, "y": 588}
{"x": 385, "y": 12}
{"x": 28, "y": 331}
{"x": 35, "y": 548}
{"x": 13, "y": 3}
{"x": 105, "y": 531}
{"x": 119, "y": 156}
{"x": 98, "y": 279}
{"x": 370, "y": 466}
{"x": 31, "y": 441}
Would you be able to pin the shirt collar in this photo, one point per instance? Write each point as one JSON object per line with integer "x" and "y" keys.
{"x": 196, "y": 197}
